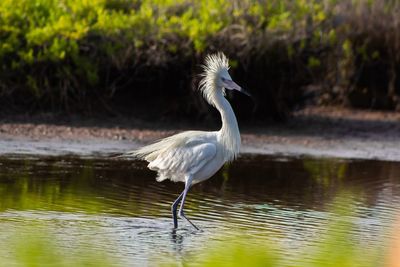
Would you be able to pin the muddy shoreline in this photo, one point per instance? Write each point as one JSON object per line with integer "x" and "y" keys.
{"x": 311, "y": 132}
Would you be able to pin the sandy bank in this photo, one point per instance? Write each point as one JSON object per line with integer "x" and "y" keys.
{"x": 314, "y": 132}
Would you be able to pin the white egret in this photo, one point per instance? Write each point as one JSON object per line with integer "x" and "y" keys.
{"x": 194, "y": 156}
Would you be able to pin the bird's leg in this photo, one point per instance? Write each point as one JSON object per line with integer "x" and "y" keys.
{"x": 174, "y": 208}
{"x": 187, "y": 187}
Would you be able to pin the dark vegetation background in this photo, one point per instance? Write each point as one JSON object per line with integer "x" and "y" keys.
{"x": 142, "y": 58}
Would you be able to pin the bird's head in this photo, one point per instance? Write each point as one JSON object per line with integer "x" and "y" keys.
{"x": 216, "y": 78}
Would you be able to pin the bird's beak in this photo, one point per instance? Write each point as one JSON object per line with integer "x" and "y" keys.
{"x": 244, "y": 92}
{"x": 231, "y": 85}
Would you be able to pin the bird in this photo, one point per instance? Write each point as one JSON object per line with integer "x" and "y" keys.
{"x": 195, "y": 156}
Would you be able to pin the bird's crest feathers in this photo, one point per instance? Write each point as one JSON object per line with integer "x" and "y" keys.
{"x": 215, "y": 65}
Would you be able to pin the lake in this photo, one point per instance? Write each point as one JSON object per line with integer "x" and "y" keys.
{"x": 116, "y": 208}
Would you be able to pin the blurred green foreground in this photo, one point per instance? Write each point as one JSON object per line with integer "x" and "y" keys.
{"x": 334, "y": 248}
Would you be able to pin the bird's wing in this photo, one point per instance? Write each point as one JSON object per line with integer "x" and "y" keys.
{"x": 188, "y": 158}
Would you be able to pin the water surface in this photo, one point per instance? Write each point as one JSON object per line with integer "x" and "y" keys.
{"x": 116, "y": 207}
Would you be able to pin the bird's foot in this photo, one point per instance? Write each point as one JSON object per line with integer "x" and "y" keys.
{"x": 182, "y": 216}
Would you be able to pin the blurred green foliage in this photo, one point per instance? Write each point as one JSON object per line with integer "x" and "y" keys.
{"x": 43, "y": 30}
{"x": 36, "y": 247}
{"x": 92, "y": 187}
{"x": 63, "y": 54}
{"x": 335, "y": 247}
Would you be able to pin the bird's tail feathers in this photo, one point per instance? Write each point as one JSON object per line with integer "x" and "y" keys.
{"x": 117, "y": 155}
{"x": 138, "y": 153}
{"x": 149, "y": 152}
{"x": 161, "y": 178}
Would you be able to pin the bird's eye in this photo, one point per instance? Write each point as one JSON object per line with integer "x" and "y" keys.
{"x": 223, "y": 79}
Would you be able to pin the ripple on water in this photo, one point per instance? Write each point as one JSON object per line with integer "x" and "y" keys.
{"x": 117, "y": 207}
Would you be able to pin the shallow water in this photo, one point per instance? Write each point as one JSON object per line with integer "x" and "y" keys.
{"x": 116, "y": 207}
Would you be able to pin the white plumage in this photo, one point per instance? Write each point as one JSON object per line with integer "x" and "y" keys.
{"x": 194, "y": 156}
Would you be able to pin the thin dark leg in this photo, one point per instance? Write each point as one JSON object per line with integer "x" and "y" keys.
{"x": 181, "y": 214}
{"x": 174, "y": 208}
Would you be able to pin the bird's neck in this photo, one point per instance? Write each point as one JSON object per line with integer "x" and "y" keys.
{"x": 229, "y": 134}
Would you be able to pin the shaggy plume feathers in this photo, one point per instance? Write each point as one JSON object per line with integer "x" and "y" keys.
{"x": 214, "y": 65}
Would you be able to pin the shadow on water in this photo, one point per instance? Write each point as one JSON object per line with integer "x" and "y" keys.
{"x": 118, "y": 207}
